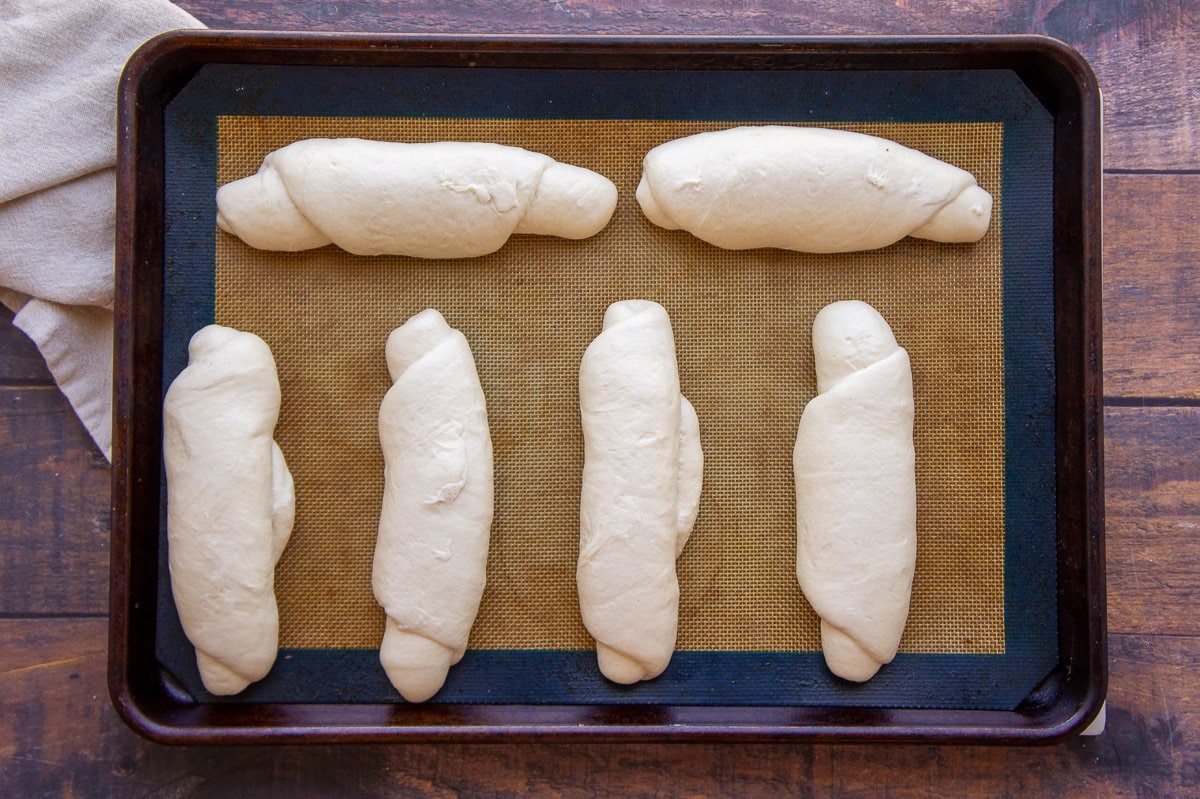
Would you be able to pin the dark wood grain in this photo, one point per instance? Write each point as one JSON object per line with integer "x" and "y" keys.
{"x": 54, "y": 506}
{"x": 1144, "y": 57}
{"x": 1152, "y": 286}
{"x": 1154, "y": 520}
{"x": 53, "y": 717}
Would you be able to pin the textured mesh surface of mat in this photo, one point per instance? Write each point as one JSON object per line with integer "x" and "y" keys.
{"x": 742, "y": 324}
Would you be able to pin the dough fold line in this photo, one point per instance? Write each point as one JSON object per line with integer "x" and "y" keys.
{"x": 808, "y": 189}
{"x": 429, "y": 569}
{"x": 424, "y": 200}
{"x": 640, "y": 494}
{"x": 854, "y": 465}
{"x": 230, "y": 505}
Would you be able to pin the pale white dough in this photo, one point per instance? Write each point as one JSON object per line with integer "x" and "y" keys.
{"x": 856, "y": 502}
{"x": 230, "y": 504}
{"x": 431, "y": 553}
{"x": 642, "y": 476}
{"x": 808, "y": 189}
{"x": 429, "y": 200}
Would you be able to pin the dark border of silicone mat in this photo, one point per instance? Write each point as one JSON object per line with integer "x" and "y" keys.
{"x": 154, "y": 702}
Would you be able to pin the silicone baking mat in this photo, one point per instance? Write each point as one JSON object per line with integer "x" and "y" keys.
{"x": 968, "y": 315}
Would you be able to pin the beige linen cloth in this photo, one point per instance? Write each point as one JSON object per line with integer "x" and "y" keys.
{"x": 59, "y": 67}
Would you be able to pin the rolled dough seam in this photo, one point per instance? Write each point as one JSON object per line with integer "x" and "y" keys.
{"x": 230, "y": 505}
{"x": 642, "y": 477}
{"x": 425, "y": 200}
{"x": 808, "y": 189}
{"x": 854, "y": 464}
{"x": 430, "y": 564}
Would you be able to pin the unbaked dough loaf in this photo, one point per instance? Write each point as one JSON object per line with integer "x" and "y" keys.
{"x": 431, "y": 554}
{"x": 642, "y": 477}
{"x": 230, "y": 504}
{"x": 856, "y": 503}
{"x": 435, "y": 200}
{"x": 808, "y": 189}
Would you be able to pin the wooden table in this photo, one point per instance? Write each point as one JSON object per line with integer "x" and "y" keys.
{"x": 60, "y": 736}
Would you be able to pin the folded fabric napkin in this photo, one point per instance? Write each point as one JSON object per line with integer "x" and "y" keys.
{"x": 59, "y": 66}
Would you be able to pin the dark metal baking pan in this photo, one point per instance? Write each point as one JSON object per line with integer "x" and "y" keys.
{"x": 1049, "y": 685}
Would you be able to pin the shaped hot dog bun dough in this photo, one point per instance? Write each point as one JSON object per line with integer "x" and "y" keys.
{"x": 230, "y": 504}
{"x": 642, "y": 477}
{"x": 431, "y": 554}
{"x": 435, "y": 200}
{"x": 856, "y": 503}
{"x": 808, "y": 189}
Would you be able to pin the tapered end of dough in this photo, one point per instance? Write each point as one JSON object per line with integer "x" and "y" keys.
{"x": 413, "y": 339}
{"x": 415, "y": 665}
{"x": 849, "y": 336}
{"x": 571, "y": 202}
{"x": 845, "y": 657}
{"x": 624, "y": 310}
{"x": 621, "y": 668}
{"x": 219, "y": 679}
{"x": 221, "y": 353}
{"x": 258, "y": 210}
{"x": 648, "y": 202}
{"x": 961, "y": 221}
{"x": 229, "y": 344}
